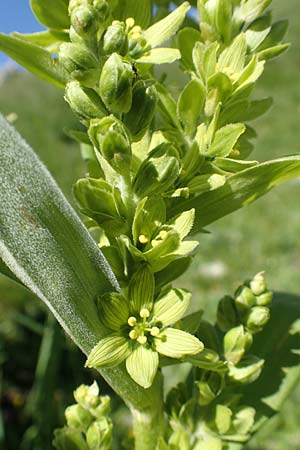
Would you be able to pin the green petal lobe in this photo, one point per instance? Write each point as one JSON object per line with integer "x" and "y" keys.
{"x": 177, "y": 343}
{"x": 109, "y": 352}
{"x": 142, "y": 366}
{"x": 170, "y": 308}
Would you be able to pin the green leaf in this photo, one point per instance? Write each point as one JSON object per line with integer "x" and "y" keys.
{"x": 224, "y": 18}
{"x": 142, "y": 366}
{"x": 205, "y": 59}
{"x": 4, "y": 270}
{"x": 160, "y": 56}
{"x": 240, "y": 190}
{"x": 272, "y": 52}
{"x": 187, "y": 38}
{"x": 190, "y": 105}
{"x": 44, "y": 243}
{"x": 53, "y": 14}
{"x": 164, "y": 29}
{"x": 225, "y": 140}
{"x": 109, "y": 352}
{"x": 35, "y": 59}
{"x": 50, "y": 39}
{"x": 140, "y": 11}
{"x": 167, "y": 106}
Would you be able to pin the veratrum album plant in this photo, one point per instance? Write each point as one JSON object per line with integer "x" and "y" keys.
{"x": 160, "y": 169}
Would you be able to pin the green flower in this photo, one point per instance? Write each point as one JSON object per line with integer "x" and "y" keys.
{"x": 140, "y": 329}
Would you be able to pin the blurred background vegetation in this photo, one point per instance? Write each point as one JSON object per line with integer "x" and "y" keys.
{"x": 35, "y": 385}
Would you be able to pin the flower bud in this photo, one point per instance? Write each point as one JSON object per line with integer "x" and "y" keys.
{"x": 78, "y": 417}
{"x": 257, "y": 318}
{"x": 244, "y": 420}
{"x": 99, "y": 435}
{"x": 69, "y": 439}
{"x": 87, "y": 396}
{"x": 236, "y": 342}
{"x": 84, "y": 20}
{"x": 210, "y": 386}
{"x": 116, "y": 84}
{"x": 227, "y": 316}
{"x": 109, "y": 136}
{"x": 142, "y": 111}
{"x": 223, "y": 417}
{"x": 264, "y": 299}
{"x": 158, "y": 172}
{"x": 209, "y": 443}
{"x": 103, "y": 408}
{"x": 247, "y": 371}
{"x": 79, "y": 62}
{"x": 258, "y": 285}
{"x": 84, "y": 102}
{"x": 180, "y": 438}
{"x": 115, "y": 39}
{"x": 244, "y": 298}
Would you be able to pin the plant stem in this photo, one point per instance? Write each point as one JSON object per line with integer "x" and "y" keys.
{"x": 147, "y": 426}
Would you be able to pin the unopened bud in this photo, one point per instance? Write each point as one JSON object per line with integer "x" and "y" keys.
{"x": 258, "y": 284}
{"x": 78, "y": 417}
{"x": 79, "y": 62}
{"x": 142, "y": 111}
{"x": 244, "y": 298}
{"x": 69, "y": 439}
{"x": 236, "y": 342}
{"x": 103, "y": 408}
{"x": 210, "y": 386}
{"x": 84, "y": 102}
{"x": 247, "y": 371}
{"x": 87, "y": 396}
{"x": 116, "y": 84}
{"x": 84, "y": 20}
{"x": 264, "y": 299}
{"x": 99, "y": 435}
{"x": 257, "y": 318}
{"x": 227, "y": 316}
{"x": 115, "y": 39}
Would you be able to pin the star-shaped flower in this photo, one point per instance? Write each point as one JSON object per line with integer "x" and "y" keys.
{"x": 139, "y": 329}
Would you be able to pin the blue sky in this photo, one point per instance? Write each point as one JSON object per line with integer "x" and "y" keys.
{"x": 15, "y": 15}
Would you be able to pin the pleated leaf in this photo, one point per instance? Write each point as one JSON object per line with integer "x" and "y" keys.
{"x": 44, "y": 243}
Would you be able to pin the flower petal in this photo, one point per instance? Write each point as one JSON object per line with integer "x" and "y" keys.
{"x": 141, "y": 289}
{"x": 113, "y": 310}
{"x": 142, "y": 366}
{"x": 109, "y": 352}
{"x": 177, "y": 343}
{"x": 171, "y": 307}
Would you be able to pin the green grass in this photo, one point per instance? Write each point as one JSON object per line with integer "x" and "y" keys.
{"x": 263, "y": 236}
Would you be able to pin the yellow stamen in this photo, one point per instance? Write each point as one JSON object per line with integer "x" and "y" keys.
{"x": 136, "y": 29}
{"x": 130, "y": 22}
{"x": 163, "y": 234}
{"x": 144, "y": 313}
{"x": 133, "y": 334}
{"x": 154, "y": 331}
{"x": 142, "y": 340}
{"x": 143, "y": 239}
{"x": 131, "y": 321}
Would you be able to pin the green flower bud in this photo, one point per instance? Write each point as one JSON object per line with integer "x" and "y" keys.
{"x": 115, "y": 39}
{"x": 69, "y": 439}
{"x": 258, "y": 284}
{"x": 78, "y": 417}
{"x": 103, "y": 408}
{"x": 247, "y": 371}
{"x": 142, "y": 111}
{"x": 227, "y": 316}
{"x": 79, "y": 62}
{"x": 210, "y": 386}
{"x": 87, "y": 396}
{"x": 244, "y": 298}
{"x": 264, "y": 299}
{"x": 223, "y": 417}
{"x": 257, "y": 318}
{"x": 84, "y": 102}
{"x": 109, "y": 136}
{"x": 236, "y": 342}
{"x": 158, "y": 172}
{"x": 116, "y": 84}
{"x": 84, "y": 20}
{"x": 244, "y": 420}
{"x": 99, "y": 435}
{"x": 180, "y": 439}
{"x": 209, "y": 443}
